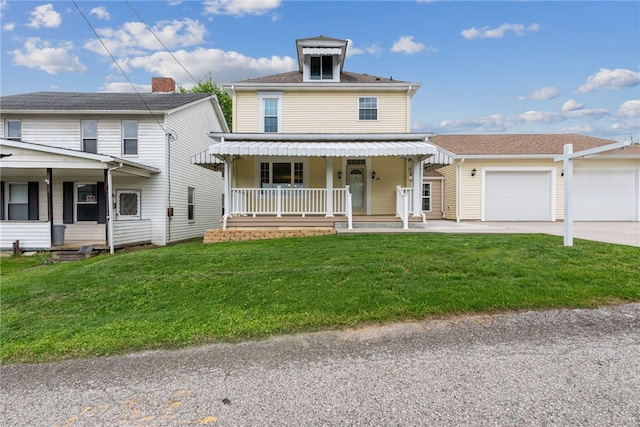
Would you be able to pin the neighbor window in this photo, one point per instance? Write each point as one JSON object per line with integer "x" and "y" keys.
{"x": 13, "y": 129}
{"x": 283, "y": 174}
{"x": 87, "y": 202}
{"x": 191, "y": 201}
{"x": 130, "y": 137}
{"x": 426, "y": 197}
{"x": 128, "y": 204}
{"x": 321, "y": 67}
{"x": 18, "y": 202}
{"x": 367, "y": 108}
{"x": 89, "y": 130}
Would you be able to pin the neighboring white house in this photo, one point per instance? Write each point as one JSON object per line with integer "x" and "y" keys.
{"x": 71, "y": 162}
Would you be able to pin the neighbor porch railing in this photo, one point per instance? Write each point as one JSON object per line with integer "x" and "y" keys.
{"x": 290, "y": 201}
{"x": 404, "y": 196}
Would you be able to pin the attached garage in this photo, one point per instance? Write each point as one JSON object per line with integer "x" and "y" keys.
{"x": 605, "y": 195}
{"x": 518, "y": 195}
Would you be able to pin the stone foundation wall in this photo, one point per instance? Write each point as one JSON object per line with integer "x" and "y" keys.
{"x": 235, "y": 235}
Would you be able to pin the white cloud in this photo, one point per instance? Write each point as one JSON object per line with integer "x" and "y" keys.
{"x": 224, "y": 66}
{"x": 125, "y": 87}
{"x": 373, "y": 49}
{"x": 44, "y": 16}
{"x": 543, "y": 94}
{"x": 9, "y": 26}
{"x": 629, "y": 109}
{"x": 405, "y": 44}
{"x": 40, "y": 54}
{"x": 610, "y": 79}
{"x": 101, "y": 12}
{"x": 572, "y": 105}
{"x": 239, "y": 7}
{"x": 134, "y": 38}
{"x": 499, "y": 32}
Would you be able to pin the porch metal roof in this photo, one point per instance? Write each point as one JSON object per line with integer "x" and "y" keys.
{"x": 322, "y": 145}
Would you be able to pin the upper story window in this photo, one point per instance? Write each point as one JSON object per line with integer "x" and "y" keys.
{"x": 13, "y": 129}
{"x": 89, "y": 131}
{"x": 130, "y": 137}
{"x": 367, "y": 108}
{"x": 321, "y": 67}
{"x": 271, "y": 112}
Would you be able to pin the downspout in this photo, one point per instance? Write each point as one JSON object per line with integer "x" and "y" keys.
{"x": 110, "y": 206}
{"x": 458, "y": 189}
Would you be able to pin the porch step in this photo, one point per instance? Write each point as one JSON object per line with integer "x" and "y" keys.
{"x": 83, "y": 253}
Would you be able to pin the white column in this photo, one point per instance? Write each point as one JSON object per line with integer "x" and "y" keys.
{"x": 568, "y": 196}
{"x": 417, "y": 186}
{"x": 329, "y": 185}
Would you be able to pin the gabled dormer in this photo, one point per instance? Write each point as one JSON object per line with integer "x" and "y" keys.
{"x": 321, "y": 59}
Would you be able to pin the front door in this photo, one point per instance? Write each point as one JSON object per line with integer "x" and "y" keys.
{"x": 356, "y": 181}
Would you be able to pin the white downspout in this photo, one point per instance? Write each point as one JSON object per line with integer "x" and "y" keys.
{"x": 458, "y": 175}
{"x": 110, "y": 206}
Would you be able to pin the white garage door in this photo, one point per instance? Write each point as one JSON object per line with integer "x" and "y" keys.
{"x": 605, "y": 195}
{"x": 518, "y": 196}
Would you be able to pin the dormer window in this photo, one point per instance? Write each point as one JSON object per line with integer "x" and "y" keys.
{"x": 321, "y": 68}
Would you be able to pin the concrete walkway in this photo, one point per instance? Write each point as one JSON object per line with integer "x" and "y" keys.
{"x": 621, "y": 233}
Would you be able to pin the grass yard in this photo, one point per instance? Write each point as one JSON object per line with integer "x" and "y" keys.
{"x": 193, "y": 293}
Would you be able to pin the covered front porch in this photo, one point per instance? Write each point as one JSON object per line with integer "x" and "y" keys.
{"x": 293, "y": 178}
{"x": 61, "y": 199}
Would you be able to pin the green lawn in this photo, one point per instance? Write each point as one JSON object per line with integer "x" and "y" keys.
{"x": 193, "y": 293}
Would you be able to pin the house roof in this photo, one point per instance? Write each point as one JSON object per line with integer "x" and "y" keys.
{"x": 514, "y": 144}
{"x": 107, "y": 101}
{"x": 346, "y": 77}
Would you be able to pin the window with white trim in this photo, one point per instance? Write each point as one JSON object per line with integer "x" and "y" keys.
{"x": 89, "y": 135}
{"x": 13, "y": 129}
{"x": 367, "y": 108}
{"x": 18, "y": 201}
{"x": 87, "y": 202}
{"x": 283, "y": 174}
{"x": 130, "y": 137}
{"x": 426, "y": 196}
{"x": 270, "y": 112}
{"x": 128, "y": 204}
{"x": 191, "y": 203}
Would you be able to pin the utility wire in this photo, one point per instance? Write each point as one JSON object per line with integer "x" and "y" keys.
{"x": 119, "y": 67}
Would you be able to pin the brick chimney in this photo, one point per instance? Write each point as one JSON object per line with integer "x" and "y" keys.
{"x": 163, "y": 84}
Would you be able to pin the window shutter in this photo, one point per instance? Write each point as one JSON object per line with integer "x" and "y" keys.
{"x": 102, "y": 204}
{"x": 34, "y": 206}
{"x": 2, "y": 200}
{"x": 67, "y": 202}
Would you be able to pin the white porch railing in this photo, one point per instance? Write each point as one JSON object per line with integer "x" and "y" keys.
{"x": 286, "y": 201}
{"x": 404, "y": 196}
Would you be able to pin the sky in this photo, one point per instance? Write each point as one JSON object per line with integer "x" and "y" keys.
{"x": 484, "y": 67}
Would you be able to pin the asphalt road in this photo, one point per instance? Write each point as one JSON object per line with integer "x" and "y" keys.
{"x": 558, "y": 367}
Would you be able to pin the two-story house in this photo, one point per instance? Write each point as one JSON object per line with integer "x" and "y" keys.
{"x": 107, "y": 169}
{"x": 321, "y": 142}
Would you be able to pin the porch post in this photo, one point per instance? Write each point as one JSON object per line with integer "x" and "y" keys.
{"x": 49, "y": 181}
{"x": 417, "y": 186}
{"x": 228, "y": 170}
{"x": 329, "y": 203}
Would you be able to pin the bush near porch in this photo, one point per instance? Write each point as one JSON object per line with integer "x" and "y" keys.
{"x": 194, "y": 293}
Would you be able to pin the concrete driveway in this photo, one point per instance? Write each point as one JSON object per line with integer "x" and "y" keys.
{"x": 621, "y": 233}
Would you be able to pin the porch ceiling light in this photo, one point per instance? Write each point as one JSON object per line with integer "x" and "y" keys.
{"x": 473, "y": 172}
